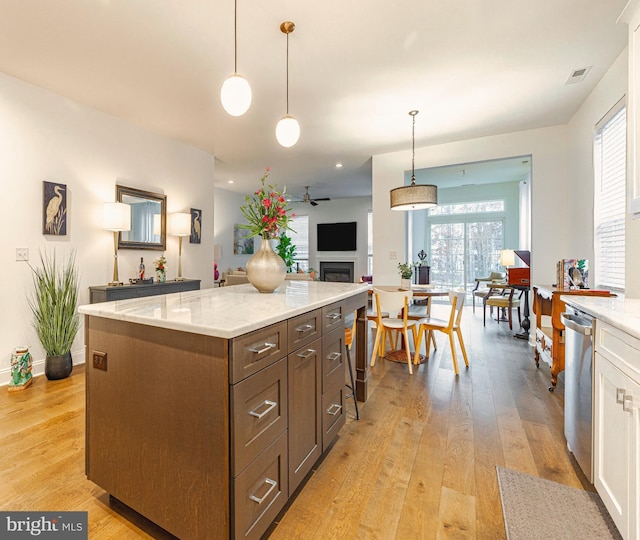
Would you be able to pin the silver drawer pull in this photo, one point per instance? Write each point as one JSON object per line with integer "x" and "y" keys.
{"x": 333, "y": 316}
{"x": 270, "y": 407}
{"x": 620, "y": 392}
{"x": 304, "y": 328}
{"x": 266, "y": 347}
{"x": 627, "y": 403}
{"x": 309, "y": 352}
{"x": 272, "y": 484}
{"x": 334, "y": 409}
{"x": 334, "y": 356}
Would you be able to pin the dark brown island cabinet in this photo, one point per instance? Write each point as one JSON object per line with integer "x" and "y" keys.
{"x": 207, "y": 436}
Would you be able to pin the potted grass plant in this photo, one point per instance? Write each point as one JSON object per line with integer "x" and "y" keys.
{"x": 54, "y": 302}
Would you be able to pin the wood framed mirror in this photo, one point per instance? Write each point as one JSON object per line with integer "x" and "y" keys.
{"x": 148, "y": 219}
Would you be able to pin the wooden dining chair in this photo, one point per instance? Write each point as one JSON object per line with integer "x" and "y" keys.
{"x": 503, "y": 300}
{"x": 450, "y": 327}
{"x": 393, "y": 302}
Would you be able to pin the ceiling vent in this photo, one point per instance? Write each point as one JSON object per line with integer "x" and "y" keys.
{"x": 578, "y": 75}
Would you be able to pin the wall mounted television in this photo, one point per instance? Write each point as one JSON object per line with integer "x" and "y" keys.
{"x": 337, "y": 236}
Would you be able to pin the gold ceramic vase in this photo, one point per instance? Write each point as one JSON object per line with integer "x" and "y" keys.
{"x": 266, "y": 270}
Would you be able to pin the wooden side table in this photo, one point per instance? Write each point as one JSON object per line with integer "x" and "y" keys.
{"x": 550, "y": 339}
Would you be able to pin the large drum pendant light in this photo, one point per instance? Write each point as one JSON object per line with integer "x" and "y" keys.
{"x": 414, "y": 196}
{"x": 235, "y": 94}
{"x": 288, "y": 129}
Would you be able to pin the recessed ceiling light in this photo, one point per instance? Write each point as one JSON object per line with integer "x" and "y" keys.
{"x": 338, "y": 165}
{"x": 229, "y": 181}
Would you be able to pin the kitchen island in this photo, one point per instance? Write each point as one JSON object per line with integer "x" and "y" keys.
{"x": 207, "y": 409}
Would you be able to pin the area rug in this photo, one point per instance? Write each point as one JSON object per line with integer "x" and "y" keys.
{"x": 535, "y": 508}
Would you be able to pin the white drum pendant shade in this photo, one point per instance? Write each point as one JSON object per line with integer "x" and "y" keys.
{"x": 287, "y": 131}
{"x": 235, "y": 95}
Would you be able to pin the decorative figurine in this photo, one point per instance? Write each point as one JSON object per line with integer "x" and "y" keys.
{"x": 21, "y": 376}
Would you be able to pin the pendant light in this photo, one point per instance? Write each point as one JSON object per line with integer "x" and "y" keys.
{"x": 414, "y": 196}
{"x": 235, "y": 94}
{"x": 288, "y": 129}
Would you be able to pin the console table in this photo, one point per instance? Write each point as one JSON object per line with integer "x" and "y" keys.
{"x": 106, "y": 293}
{"x": 550, "y": 339}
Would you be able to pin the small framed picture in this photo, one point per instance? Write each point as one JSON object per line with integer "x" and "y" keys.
{"x": 242, "y": 241}
{"x": 54, "y": 209}
{"x": 196, "y": 226}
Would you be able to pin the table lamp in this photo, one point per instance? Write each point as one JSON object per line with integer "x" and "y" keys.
{"x": 180, "y": 226}
{"x": 507, "y": 257}
{"x": 116, "y": 218}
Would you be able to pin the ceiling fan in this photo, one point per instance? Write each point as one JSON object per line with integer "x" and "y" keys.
{"x": 307, "y": 198}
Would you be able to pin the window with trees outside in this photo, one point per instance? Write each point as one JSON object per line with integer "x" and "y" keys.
{"x": 300, "y": 238}
{"x": 465, "y": 240}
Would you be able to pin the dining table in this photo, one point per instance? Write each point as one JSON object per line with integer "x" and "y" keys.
{"x": 427, "y": 292}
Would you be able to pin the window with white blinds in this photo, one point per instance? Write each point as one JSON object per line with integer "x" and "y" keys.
{"x": 610, "y": 150}
{"x": 300, "y": 239}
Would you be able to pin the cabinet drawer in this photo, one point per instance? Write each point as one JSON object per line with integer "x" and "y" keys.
{"x": 622, "y": 349}
{"x": 332, "y": 317}
{"x": 333, "y": 358}
{"x": 304, "y": 329}
{"x": 333, "y": 413}
{"x": 261, "y": 491}
{"x": 258, "y": 413}
{"x": 256, "y": 350}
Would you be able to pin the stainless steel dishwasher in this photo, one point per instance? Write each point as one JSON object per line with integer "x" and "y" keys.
{"x": 578, "y": 387}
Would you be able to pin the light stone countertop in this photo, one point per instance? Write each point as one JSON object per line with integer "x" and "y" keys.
{"x": 621, "y": 312}
{"x": 225, "y": 312}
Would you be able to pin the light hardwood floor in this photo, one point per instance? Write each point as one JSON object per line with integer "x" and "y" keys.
{"x": 420, "y": 462}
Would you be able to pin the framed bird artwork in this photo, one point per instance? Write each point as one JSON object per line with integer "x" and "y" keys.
{"x": 196, "y": 226}
{"x": 54, "y": 208}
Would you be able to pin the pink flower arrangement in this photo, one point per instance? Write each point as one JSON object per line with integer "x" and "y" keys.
{"x": 266, "y": 211}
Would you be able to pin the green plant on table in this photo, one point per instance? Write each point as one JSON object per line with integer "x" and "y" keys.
{"x": 406, "y": 270}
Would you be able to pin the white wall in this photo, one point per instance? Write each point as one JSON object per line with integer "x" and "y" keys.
{"x": 44, "y": 137}
{"x": 611, "y": 88}
{"x": 338, "y": 210}
{"x": 227, "y": 214}
{"x": 548, "y": 148}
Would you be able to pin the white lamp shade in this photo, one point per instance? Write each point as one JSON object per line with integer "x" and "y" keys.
{"x": 287, "y": 131}
{"x": 116, "y": 216}
{"x": 180, "y": 224}
{"x": 507, "y": 257}
{"x": 235, "y": 95}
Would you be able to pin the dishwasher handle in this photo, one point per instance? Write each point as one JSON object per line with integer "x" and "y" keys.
{"x": 577, "y": 324}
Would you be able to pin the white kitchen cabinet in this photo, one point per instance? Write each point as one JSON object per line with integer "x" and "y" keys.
{"x": 617, "y": 426}
{"x": 631, "y": 16}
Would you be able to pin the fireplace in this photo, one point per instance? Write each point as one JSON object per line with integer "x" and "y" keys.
{"x": 336, "y": 271}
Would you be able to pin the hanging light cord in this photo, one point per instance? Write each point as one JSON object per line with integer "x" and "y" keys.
{"x": 235, "y": 37}
{"x": 413, "y": 147}
{"x": 287, "y": 73}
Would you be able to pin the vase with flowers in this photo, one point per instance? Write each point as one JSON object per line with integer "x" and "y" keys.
{"x": 161, "y": 268}
{"x": 267, "y": 216}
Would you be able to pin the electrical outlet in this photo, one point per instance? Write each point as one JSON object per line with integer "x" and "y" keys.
{"x": 22, "y": 254}
{"x": 393, "y": 255}
{"x": 100, "y": 360}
